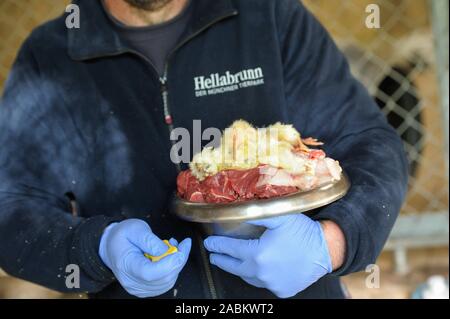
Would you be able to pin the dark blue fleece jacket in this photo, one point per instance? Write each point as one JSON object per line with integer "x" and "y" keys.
{"x": 84, "y": 114}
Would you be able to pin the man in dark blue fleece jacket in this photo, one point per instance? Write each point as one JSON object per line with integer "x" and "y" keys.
{"x": 86, "y": 116}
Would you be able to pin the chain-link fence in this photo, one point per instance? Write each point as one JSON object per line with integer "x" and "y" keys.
{"x": 397, "y": 64}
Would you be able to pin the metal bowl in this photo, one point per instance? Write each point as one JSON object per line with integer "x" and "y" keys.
{"x": 228, "y": 219}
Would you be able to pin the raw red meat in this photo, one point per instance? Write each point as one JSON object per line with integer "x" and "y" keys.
{"x": 228, "y": 186}
{"x": 189, "y": 187}
{"x": 244, "y": 182}
{"x": 218, "y": 188}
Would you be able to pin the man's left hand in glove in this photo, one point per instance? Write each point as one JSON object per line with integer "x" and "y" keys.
{"x": 292, "y": 254}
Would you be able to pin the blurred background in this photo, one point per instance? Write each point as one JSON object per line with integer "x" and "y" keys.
{"x": 404, "y": 65}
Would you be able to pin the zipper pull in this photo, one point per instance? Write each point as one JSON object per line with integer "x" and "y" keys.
{"x": 168, "y": 119}
{"x": 163, "y": 81}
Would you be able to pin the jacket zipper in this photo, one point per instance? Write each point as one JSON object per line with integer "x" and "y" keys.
{"x": 167, "y": 115}
{"x": 169, "y": 121}
{"x": 208, "y": 271}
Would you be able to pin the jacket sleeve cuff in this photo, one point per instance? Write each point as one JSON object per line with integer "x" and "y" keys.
{"x": 85, "y": 245}
{"x": 339, "y": 213}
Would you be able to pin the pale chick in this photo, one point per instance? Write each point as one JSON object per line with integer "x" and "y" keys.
{"x": 244, "y": 147}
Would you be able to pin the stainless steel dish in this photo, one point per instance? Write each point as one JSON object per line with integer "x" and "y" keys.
{"x": 229, "y": 219}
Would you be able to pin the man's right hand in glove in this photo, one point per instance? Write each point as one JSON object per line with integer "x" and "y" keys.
{"x": 122, "y": 249}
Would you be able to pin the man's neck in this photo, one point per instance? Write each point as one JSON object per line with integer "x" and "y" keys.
{"x": 135, "y": 17}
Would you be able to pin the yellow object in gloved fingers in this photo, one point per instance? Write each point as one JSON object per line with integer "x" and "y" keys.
{"x": 171, "y": 250}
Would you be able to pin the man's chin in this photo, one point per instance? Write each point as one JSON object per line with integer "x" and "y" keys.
{"x": 148, "y": 5}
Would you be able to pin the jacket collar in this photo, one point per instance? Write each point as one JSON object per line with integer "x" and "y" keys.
{"x": 96, "y": 37}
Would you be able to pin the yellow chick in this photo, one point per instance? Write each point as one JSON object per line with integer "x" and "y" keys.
{"x": 286, "y": 133}
{"x": 243, "y": 147}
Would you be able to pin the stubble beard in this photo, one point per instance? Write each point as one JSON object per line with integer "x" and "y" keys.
{"x": 148, "y": 5}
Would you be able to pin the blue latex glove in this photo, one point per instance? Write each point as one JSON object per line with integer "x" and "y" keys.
{"x": 291, "y": 255}
{"x": 122, "y": 249}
